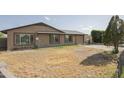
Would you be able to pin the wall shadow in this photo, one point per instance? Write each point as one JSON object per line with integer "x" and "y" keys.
{"x": 97, "y": 60}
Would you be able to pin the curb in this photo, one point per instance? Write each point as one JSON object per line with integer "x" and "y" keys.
{"x": 4, "y": 71}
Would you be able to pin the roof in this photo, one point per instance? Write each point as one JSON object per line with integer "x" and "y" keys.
{"x": 41, "y": 23}
{"x": 72, "y": 32}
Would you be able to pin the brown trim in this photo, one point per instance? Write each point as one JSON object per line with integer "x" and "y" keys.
{"x": 50, "y": 33}
{"x": 75, "y": 40}
{"x": 15, "y": 33}
{"x": 61, "y": 34}
{"x": 83, "y": 39}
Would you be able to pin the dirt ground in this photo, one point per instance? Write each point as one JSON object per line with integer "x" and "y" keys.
{"x": 59, "y": 62}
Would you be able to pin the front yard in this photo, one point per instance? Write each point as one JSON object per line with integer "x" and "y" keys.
{"x": 64, "y": 61}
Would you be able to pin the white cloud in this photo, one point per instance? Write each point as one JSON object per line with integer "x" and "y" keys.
{"x": 91, "y": 27}
{"x": 47, "y": 18}
{"x": 87, "y": 29}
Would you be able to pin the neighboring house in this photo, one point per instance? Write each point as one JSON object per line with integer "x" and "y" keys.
{"x": 40, "y": 35}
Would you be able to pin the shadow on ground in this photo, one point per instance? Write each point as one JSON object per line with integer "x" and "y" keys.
{"x": 121, "y": 64}
{"x": 121, "y": 58}
{"x": 99, "y": 59}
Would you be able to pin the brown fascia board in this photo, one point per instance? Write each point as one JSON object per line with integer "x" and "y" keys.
{"x": 41, "y": 23}
{"x": 49, "y": 33}
{"x": 57, "y": 33}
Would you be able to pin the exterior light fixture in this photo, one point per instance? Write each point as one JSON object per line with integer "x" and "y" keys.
{"x": 37, "y": 38}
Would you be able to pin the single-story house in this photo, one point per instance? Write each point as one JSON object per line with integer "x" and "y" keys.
{"x": 40, "y": 35}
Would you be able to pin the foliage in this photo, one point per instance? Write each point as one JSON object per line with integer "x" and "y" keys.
{"x": 1, "y": 35}
{"x": 35, "y": 47}
{"x": 114, "y": 33}
{"x": 122, "y": 75}
{"x": 97, "y": 36}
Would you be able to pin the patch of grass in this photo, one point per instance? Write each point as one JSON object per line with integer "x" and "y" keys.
{"x": 62, "y": 46}
{"x": 122, "y": 75}
{"x": 66, "y": 46}
{"x": 114, "y": 75}
{"x": 60, "y": 61}
{"x": 110, "y": 54}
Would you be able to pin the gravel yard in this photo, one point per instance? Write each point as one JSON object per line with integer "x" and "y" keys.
{"x": 59, "y": 62}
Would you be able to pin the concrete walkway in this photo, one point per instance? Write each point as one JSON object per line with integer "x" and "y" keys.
{"x": 106, "y": 48}
{"x": 3, "y": 71}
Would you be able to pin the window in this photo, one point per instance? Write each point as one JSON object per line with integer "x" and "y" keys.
{"x": 23, "y": 39}
{"x": 54, "y": 39}
{"x": 68, "y": 39}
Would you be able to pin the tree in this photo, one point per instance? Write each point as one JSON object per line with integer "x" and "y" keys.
{"x": 1, "y": 34}
{"x": 114, "y": 33}
{"x": 97, "y": 36}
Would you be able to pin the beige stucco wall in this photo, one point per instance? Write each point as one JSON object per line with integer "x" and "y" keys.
{"x": 30, "y": 29}
{"x": 43, "y": 39}
{"x": 79, "y": 39}
{"x": 87, "y": 38}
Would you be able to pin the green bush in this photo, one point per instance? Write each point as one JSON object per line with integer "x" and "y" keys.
{"x": 122, "y": 74}
{"x": 97, "y": 36}
{"x": 35, "y": 47}
{"x": 1, "y": 34}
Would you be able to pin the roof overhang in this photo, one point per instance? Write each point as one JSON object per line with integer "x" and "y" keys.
{"x": 49, "y": 33}
{"x": 41, "y": 23}
{"x": 66, "y": 32}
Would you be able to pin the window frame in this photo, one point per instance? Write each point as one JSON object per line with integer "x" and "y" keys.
{"x": 20, "y": 39}
{"x": 66, "y": 40}
{"x": 53, "y": 41}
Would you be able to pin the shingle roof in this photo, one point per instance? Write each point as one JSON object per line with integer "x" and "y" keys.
{"x": 41, "y": 23}
{"x": 72, "y": 32}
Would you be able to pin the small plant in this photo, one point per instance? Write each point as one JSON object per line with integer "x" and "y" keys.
{"x": 115, "y": 51}
{"x": 35, "y": 47}
{"x": 60, "y": 46}
{"x": 122, "y": 74}
{"x": 115, "y": 75}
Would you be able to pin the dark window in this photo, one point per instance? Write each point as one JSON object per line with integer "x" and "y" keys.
{"x": 68, "y": 38}
{"x": 24, "y": 39}
{"x": 54, "y": 39}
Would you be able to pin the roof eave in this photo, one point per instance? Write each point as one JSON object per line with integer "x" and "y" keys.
{"x": 41, "y": 23}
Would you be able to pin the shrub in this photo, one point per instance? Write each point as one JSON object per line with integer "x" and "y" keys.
{"x": 97, "y": 36}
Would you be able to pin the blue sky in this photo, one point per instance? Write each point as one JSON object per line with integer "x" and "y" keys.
{"x": 83, "y": 23}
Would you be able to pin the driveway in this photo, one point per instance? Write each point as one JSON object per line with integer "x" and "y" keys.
{"x": 107, "y": 48}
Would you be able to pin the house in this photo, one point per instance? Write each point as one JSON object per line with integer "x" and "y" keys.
{"x": 40, "y": 35}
